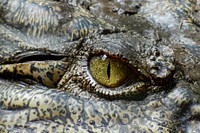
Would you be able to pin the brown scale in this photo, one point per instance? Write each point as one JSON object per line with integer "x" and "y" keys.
{"x": 48, "y": 73}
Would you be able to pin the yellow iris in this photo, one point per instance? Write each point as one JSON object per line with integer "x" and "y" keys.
{"x": 108, "y": 71}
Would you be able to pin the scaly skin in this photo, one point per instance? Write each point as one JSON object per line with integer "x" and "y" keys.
{"x": 172, "y": 14}
{"x": 42, "y": 19}
{"x": 38, "y": 109}
{"x": 157, "y": 98}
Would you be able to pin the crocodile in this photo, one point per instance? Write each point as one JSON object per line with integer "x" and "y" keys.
{"x": 80, "y": 74}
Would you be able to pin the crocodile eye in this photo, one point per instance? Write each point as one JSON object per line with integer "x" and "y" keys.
{"x": 109, "y": 71}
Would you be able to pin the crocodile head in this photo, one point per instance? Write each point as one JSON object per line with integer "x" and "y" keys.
{"x": 105, "y": 82}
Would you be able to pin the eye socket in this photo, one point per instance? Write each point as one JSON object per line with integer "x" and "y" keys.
{"x": 109, "y": 71}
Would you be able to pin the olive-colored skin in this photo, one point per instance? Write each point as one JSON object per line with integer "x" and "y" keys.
{"x": 162, "y": 95}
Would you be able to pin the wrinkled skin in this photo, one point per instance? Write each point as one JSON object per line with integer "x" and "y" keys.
{"x": 168, "y": 102}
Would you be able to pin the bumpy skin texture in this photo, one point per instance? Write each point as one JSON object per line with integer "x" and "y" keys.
{"x": 159, "y": 97}
{"x": 172, "y": 14}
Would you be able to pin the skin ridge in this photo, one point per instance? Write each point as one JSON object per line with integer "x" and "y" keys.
{"x": 23, "y": 15}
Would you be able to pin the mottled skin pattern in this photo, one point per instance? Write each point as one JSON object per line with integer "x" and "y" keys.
{"x": 162, "y": 95}
{"x": 171, "y": 14}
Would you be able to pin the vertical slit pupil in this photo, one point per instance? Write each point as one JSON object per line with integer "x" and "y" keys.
{"x": 108, "y": 70}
